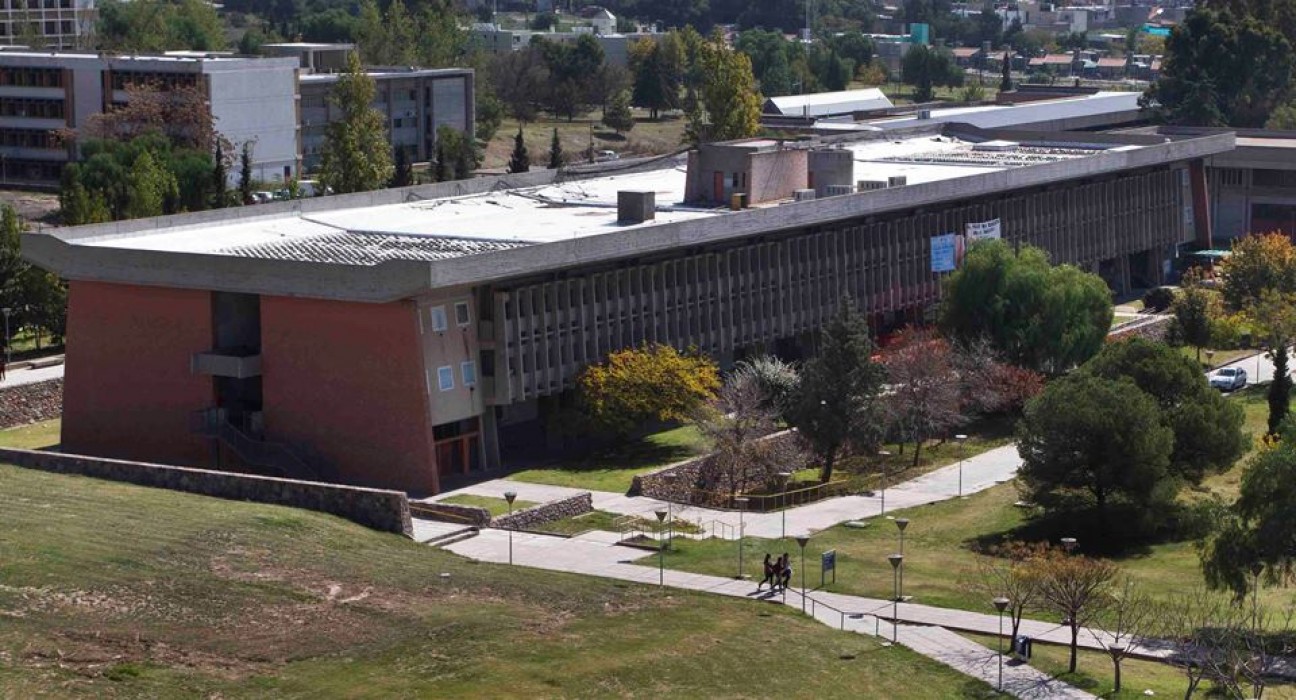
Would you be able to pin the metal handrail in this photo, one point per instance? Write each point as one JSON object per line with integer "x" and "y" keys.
{"x": 774, "y": 501}
{"x": 215, "y": 423}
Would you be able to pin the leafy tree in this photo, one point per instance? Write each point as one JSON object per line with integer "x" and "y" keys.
{"x": 1257, "y": 262}
{"x": 148, "y": 187}
{"x": 1092, "y": 441}
{"x": 1195, "y": 310}
{"x": 490, "y": 113}
{"x": 158, "y": 25}
{"x": 924, "y": 398}
{"x": 657, "y": 68}
{"x": 925, "y": 67}
{"x": 555, "y": 151}
{"x": 1283, "y": 117}
{"x": 778, "y": 381}
{"x": 245, "y": 173}
{"x": 728, "y": 106}
{"x": 1009, "y": 570}
{"x": 837, "y": 404}
{"x": 650, "y": 383}
{"x": 356, "y": 154}
{"x": 619, "y": 117}
{"x": 1077, "y": 588}
{"x": 519, "y": 161}
{"x": 1222, "y": 68}
{"x": 520, "y": 79}
{"x": 1042, "y": 317}
{"x": 443, "y": 168}
{"x": 1207, "y": 427}
{"x": 179, "y": 113}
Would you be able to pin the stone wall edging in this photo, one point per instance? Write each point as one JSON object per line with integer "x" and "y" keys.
{"x": 536, "y": 516}
{"x": 679, "y": 486}
{"x": 29, "y": 403}
{"x": 375, "y": 508}
{"x": 1154, "y": 328}
{"x": 454, "y": 513}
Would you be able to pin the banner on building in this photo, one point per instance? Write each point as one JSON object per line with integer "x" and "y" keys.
{"x": 944, "y": 253}
{"x": 984, "y": 230}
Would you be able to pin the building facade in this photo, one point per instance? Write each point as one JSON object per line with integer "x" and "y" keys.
{"x": 404, "y": 337}
{"x": 42, "y": 93}
{"x": 56, "y": 24}
{"x": 415, "y": 103}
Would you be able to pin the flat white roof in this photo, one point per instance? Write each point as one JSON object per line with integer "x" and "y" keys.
{"x": 435, "y": 229}
{"x": 1007, "y": 116}
{"x": 823, "y": 103}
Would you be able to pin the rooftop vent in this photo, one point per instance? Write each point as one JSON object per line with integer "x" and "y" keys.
{"x": 996, "y": 146}
{"x": 803, "y": 195}
{"x": 838, "y": 190}
{"x": 636, "y": 206}
{"x": 897, "y": 181}
{"x": 924, "y": 114}
{"x": 869, "y": 185}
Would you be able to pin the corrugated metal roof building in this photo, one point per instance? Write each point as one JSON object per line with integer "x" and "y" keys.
{"x": 826, "y": 104}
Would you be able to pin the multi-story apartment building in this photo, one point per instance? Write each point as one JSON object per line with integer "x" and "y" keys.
{"x": 60, "y": 24}
{"x": 43, "y": 92}
{"x": 416, "y": 102}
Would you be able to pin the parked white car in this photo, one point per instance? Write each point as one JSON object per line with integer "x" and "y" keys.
{"x": 1228, "y": 378}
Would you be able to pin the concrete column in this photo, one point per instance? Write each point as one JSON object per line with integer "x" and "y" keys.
{"x": 490, "y": 439}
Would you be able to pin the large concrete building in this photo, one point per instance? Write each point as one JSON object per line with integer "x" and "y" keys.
{"x": 399, "y": 338}
{"x": 57, "y": 24}
{"x": 42, "y": 92}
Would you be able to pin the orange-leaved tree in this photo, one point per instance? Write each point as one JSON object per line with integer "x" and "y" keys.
{"x": 1256, "y": 263}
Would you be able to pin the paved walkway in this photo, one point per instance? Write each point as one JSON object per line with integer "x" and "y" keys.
{"x": 594, "y": 555}
{"x": 17, "y": 377}
{"x": 979, "y": 473}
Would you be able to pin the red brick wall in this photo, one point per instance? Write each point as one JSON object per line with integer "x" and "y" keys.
{"x": 347, "y": 379}
{"x": 129, "y": 391}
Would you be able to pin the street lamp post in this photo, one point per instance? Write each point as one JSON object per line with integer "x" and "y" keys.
{"x": 741, "y": 502}
{"x": 1256, "y": 570}
{"x": 802, "y": 541}
{"x": 901, "y": 524}
{"x": 961, "y": 441}
{"x": 783, "y": 478}
{"x": 669, "y": 478}
{"x": 884, "y": 454}
{"x": 896, "y": 560}
{"x": 510, "y": 496}
{"x": 1001, "y": 604}
{"x": 661, "y": 551}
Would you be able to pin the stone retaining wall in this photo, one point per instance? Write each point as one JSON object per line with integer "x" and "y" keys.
{"x": 676, "y": 482}
{"x": 28, "y": 403}
{"x": 375, "y": 508}
{"x": 452, "y": 513}
{"x": 535, "y": 516}
{"x": 1155, "y": 328}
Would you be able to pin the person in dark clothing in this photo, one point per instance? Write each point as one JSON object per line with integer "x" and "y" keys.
{"x": 769, "y": 574}
{"x": 785, "y": 570}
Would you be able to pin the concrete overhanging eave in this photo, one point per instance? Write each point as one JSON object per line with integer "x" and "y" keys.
{"x": 400, "y": 279}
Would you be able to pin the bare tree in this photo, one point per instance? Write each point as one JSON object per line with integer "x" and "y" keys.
{"x": 1008, "y": 571}
{"x": 1076, "y": 587}
{"x": 1129, "y": 614}
{"x": 1191, "y": 622}
{"x": 923, "y": 397}
{"x": 737, "y": 425}
{"x": 520, "y": 79}
{"x": 178, "y": 111}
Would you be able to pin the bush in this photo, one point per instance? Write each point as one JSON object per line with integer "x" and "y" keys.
{"x": 1158, "y": 299}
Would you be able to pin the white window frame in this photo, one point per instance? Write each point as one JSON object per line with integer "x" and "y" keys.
{"x": 445, "y": 378}
{"x": 437, "y": 315}
{"x": 468, "y": 369}
{"x": 467, "y": 312}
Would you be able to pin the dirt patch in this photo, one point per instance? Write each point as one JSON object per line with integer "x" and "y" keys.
{"x": 33, "y": 206}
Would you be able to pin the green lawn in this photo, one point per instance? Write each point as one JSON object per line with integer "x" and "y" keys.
{"x": 494, "y": 506}
{"x": 34, "y": 436}
{"x": 606, "y": 521}
{"x": 112, "y": 590}
{"x": 1095, "y": 674}
{"x": 614, "y": 469}
{"x": 940, "y": 539}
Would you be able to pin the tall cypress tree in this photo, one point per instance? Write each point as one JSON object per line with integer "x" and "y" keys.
{"x": 519, "y": 162}
{"x": 1279, "y": 390}
{"x": 555, "y": 151}
{"x": 1005, "y": 83}
{"x": 245, "y": 173}
{"x": 220, "y": 193}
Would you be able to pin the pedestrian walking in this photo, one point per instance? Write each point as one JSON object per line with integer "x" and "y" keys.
{"x": 786, "y": 570}
{"x": 769, "y": 574}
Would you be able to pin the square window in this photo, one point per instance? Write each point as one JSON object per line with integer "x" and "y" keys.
{"x": 445, "y": 378}
{"x": 469, "y": 371}
{"x": 461, "y": 313}
{"x": 438, "y": 316}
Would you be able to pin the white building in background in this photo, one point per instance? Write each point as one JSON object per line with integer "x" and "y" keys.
{"x": 57, "y": 24}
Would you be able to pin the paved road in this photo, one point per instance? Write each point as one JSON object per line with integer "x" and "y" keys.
{"x": 16, "y": 377}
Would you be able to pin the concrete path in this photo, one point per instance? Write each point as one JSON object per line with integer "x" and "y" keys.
{"x": 979, "y": 473}
{"x": 18, "y": 377}
{"x": 594, "y": 556}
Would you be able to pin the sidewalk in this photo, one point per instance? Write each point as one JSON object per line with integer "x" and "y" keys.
{"x": 979, "y": 473}
{"x": 25, "y": 375}
{"x": 594, "y": 556}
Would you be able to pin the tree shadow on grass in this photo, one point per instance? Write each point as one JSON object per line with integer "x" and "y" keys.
{"x": 1122, "y": 533}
